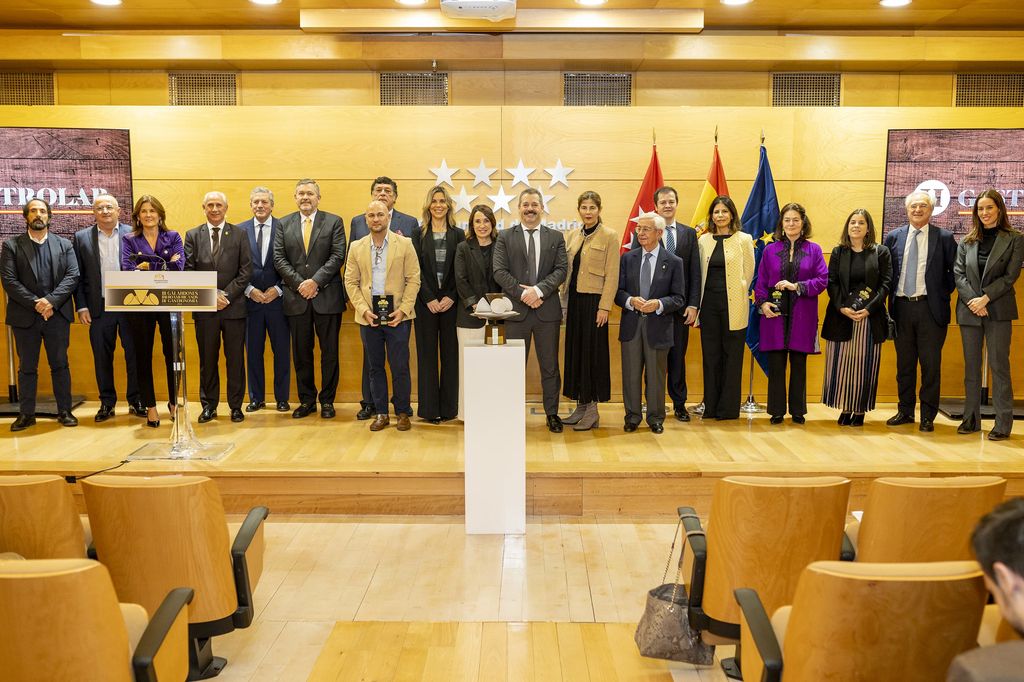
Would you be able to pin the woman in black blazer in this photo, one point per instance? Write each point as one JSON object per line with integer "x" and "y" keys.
{"x": 474, "y": 277}
{"x": 435, "y": 243}
{"x": 988, "y": 262}
{"x": 856, "y": 321}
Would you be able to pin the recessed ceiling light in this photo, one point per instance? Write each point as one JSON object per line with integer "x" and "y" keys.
{"x": 735, "y": 2}
{"x": 107, "y": 3}
{"x": 265, "y": 2}
{"x": 412, "y": 3}
{"x": 590, "y": 3}
{"x": 894, "y": 3}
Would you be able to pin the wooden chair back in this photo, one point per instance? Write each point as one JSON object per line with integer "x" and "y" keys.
{"x": 156, "y": 534}
{"x": 925, "y": 519}
{"x": 869, "y": 622}
{"x": 61, "y": 621}
{"x": 763, "y": 531}
{"x": 38, "y": 519}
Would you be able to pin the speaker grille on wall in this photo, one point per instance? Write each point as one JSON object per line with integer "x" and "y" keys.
{"x": 26, "y": 88}
{"x": 194, "y": 89}
{"x": 806, "y": 89}
{"x": 418, "y": 88}
{"x": 990, "y": 89}
{"x": 597, "y": 89}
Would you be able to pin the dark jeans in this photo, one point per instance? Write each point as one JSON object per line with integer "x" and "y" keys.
{"x": 54, "y": 334}
{"x": 389, "y": 345}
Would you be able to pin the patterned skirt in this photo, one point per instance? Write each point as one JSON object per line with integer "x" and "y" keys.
{"x": 851, "y": 371}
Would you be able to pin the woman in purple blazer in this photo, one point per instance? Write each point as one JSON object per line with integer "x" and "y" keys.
{"x": 151, "y": 246}
{"x": 791, "y": 276}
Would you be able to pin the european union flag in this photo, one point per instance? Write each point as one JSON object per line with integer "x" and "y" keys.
{"x": 760, "y": 216}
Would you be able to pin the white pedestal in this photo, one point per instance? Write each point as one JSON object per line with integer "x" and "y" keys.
{"x": 494, "y": 380}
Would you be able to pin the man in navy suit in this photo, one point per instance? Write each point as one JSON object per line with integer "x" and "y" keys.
{"x": 681, "y": 240}
{"x": 922, "y": 275}
{"x": 265, "y": 310}
{"x": 384, "y": 190}
{"x": 652, "y": 288}
{"x": 98, "y": 249}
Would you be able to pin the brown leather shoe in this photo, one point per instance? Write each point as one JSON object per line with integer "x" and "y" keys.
{"x": 379, "y": 422}
{"x": 403, "y": 422}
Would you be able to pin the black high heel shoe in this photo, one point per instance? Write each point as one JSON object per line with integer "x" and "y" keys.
{"x": 844, "y": 419}
{"x": 152, "y": 423}
{"x": 857, "y": 420}
{"x": 172, "y": 408}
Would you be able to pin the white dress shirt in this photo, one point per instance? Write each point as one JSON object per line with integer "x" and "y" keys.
{"x": 922, "y": 261}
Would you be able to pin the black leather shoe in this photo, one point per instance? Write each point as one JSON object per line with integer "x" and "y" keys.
{"x": 968, "y": 426}
{"x": 629, "y": 427}
{"x": 23, "y": 422}
{"x": 283, "y": 406}
{"x": 657, "y": 427}
{"x": 554, "y": 423}
{"x": 844, "y": 419}
{"x": 366, "y": 412}
{"x": 926, "y": 425}
{"x": 857, "y": 420}
{"x": 899, "y": 419}
{"x": 237, "y": 416}
{"x": 799, "y": 419}
{"x": 304, "y": 410}
{"x": 67, "y": 419}
{"x": 207, "y": 414}
{"x": 137, "y": 409}
{"x": 327, "y": 411}
{"x": 255, "y": 405}
{"x": 776, "y": 419}
{"x": 997, "y": 435}
{"x": 104, "y": 413}
{"x": 435, "y": 420}
{"x": 682, "y": 415}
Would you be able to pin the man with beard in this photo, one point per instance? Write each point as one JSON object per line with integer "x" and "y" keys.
{"x": 40, "y": 273}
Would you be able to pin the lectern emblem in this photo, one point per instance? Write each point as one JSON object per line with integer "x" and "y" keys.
{"x": 141, "y": 297}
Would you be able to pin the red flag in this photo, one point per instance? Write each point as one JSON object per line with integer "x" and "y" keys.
{"x": 714, "y": 186}
{"x": 644, "y": 198}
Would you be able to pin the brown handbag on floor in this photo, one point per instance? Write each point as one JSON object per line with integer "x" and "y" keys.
{"x": 664, "y": 630}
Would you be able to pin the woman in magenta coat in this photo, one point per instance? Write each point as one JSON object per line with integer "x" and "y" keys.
{"x": 791, "y": 276}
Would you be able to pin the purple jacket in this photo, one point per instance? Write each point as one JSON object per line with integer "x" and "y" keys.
{"x": 811, "y": 278}
{"x": 135, "y": 250}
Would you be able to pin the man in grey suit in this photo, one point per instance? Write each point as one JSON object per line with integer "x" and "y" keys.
{"x": 529, "y": 265}
{"x": 98, "y": 250}
{"x": 309, "y": 251}
{"x": 39, "y": 272}
{"x": 384, "y": 190}
{"x": 652, "y": 288}
{"x": 220, "y": 247}
{"x": 998, "y": 548}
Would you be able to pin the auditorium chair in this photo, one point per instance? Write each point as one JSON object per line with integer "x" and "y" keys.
{"x": 61, "y": 621}
{"x": 865, "y": 622}
{"x": 923, "y": 519}
{"x": 762, "y": 532}
{"x": 38, "y": 519}
{"x": 155, "y": 533}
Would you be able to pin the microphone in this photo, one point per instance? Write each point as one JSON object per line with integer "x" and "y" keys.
{"x": 140, "y": 256}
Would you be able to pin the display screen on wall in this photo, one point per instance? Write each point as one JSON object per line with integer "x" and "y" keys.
{"x": 954, "y": 166}
{"x": 67, "y": 167}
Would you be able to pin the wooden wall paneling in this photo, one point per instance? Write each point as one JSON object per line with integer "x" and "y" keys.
{"x": 681, "y": 88}
{"x": 871, "y": 89}
{"x": 287, "y": 88}
{"x": 82, "y": 87}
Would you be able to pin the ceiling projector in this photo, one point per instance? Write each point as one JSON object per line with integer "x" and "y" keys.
{"x": 491, "y": 10}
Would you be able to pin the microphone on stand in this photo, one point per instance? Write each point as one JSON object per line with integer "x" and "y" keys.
{"x": 139, "y": 256}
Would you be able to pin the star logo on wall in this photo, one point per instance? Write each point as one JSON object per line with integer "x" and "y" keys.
{"x": 520, "y": 174}
{"x": 501, "y": 200}
{"x": 559, "y": 174}
{"x": 444, "y": 174}
{"x": 463, "y": 201}
{"x": 482, "y": 174}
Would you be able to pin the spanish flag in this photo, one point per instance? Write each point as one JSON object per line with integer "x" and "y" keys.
{"x": 714, "y": 186}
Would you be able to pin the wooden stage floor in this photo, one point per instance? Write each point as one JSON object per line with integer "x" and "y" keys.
{"x": 339, "y": 466}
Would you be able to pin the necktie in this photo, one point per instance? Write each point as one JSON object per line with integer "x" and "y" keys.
{"x": 259, "y": 241}
{"x": 307, "y": 228}
{"x": 670, "y": 239}
{"x": 531, "y": 257}
{"x": 645, "y": 276}
{"x": 216, "y": 242}
{"x": 910, "y": 267}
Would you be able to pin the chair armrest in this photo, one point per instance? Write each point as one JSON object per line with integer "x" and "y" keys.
{"x": 247, "y": 563}
{"x": 699, "y": 547}
{"x": 848, "y": 551}
{"x": 765, "y": 641}
{"x": 169, "y": 626}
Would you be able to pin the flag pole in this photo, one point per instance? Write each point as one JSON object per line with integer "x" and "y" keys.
{"x": 751, "y": 406}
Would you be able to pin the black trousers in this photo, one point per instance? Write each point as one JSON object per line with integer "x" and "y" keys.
{"x": 722, "y": 352}
{"x": 326, "y": 328}
{"x": 437, "y": 363}
{"x": 143, "y": 327}
{"x": 919, "y": 340}
{"x": 389, "y": 346}
{"x": 209, "y": 333}
{"x": 103, "y": 334}
{"x": 260, "y": 323}
{"x": 777, "y": 393}
{"x": 677, "y": 364}
{"x": 545, "y": 336}
{"x": 54, "y": 334}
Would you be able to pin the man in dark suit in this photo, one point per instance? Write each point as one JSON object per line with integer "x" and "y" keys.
{"x": 529, "y": 265}
{"x": 265, "y": 307}
{"x": 922, "y": 274}
{"x": 681, "y": 240}
{"x": 309, "y": 250}
{"x": 652, "y": 288}
{"x": 997, "y": 546}
{"x": 98, "y": 250}
{"x": 221, "y": 247}
{"x": 39, "y": 272}
{"x": 384, "y": 190}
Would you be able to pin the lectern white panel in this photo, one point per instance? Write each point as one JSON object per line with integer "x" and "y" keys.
{"x": 494, "y": 380}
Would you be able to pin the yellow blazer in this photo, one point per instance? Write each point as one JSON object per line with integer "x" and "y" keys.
{"x": 599, "y": 264}
{"x": 401, "y": 281}
{"x": 739, "y": 270}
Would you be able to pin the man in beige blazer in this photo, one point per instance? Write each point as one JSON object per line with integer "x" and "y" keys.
{"x": 382, "y": 269}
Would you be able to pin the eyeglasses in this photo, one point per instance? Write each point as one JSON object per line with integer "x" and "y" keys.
{"x": 378, "y": 255}
{"x": 104, "y": 209}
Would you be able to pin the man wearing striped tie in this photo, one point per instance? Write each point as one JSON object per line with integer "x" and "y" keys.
{"x": 308, "y": 253}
